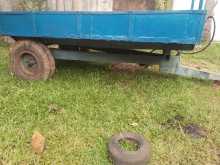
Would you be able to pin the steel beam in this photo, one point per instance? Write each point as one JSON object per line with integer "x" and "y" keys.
{"x": 103, "y": 57}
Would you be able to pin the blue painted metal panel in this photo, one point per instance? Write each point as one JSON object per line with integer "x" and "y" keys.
{"x": 13, "y": 24}
{"x": 182, "y": 27}
{"x": 57, "y": 25}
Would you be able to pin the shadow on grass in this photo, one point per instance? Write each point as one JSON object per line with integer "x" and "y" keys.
{"x": 104, "y": 70}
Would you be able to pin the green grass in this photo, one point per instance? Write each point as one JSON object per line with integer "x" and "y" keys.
{"x": 128, "y": 145}
{"x": 207, "y": 60}
{"x": 97, "y": 103}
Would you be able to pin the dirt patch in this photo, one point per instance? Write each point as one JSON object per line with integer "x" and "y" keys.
{"x": 174, "y": 122}
{"x": 218, "y": 154}
{"x": 195, "y": 131}
{"x": 196, "y": 66}
{"x": 8, "y": 40}
{"x": 216, "y": 85}
{"x": 3, "y": 162}
{"x": 53, "y": 108}
{"x": 200, "y": 66}
{"x": 38, "y": 143}
{"x": 127, "y": 67}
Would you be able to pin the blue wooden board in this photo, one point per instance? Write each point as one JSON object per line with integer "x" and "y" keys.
{"x": 181, "y": 27}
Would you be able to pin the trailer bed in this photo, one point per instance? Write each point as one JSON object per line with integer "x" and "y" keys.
{"x": 139, "y": 28}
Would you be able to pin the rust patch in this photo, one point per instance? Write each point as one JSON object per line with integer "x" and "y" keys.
{"x": 216, "y": 85}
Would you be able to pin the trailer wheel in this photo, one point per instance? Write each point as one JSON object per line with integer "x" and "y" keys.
{"x": 51, "y": 59}
{"x": 120, "y": 156}
{"x": 31, "y": 61}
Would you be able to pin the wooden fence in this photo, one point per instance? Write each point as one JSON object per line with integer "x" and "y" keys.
{"x": 101, "y": 5}
{"x": 79, "y": 5}
{"x": 7, "y": 5}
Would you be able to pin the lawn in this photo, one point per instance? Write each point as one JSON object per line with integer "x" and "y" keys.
{"x": 93, "y": 103}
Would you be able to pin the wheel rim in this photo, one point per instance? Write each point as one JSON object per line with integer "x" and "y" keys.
{"x": 29, "y": 63}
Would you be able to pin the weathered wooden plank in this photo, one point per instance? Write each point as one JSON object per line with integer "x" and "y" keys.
{"x": 89, "y": 5}
{"x": 84, "y": 5}
{"x": 134, "y": 5}
{"x": 52, "y": 4}
{"x": 68, "y": 5}
{"x": 7, "y": 5}
{"x": 80, "y": 5}
{"x": 105, "y": 5}
{"x": 60, "y": 5}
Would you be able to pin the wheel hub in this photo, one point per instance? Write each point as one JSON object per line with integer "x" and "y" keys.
{"x": 29, "y": 63}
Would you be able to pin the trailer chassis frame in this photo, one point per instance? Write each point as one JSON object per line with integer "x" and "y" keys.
{"x": 168, "y": 64}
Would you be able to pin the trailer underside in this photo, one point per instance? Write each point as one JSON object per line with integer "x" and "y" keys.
{"x": 102, "y": 44}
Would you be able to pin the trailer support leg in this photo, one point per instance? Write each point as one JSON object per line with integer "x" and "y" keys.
{"x": 173, "y": 66}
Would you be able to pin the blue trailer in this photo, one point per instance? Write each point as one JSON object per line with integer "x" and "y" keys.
{"x": 115, "y": 37}
{"x": 174, "y": 27}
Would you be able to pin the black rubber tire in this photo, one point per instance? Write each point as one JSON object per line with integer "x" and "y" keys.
{"x": 51, "y": 59}
{"x": 42, "y": 60}
{"x": 122, "y": 157}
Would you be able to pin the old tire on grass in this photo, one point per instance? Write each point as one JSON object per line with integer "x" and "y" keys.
{"x": 120, "y": 156}
{"x": 31, "y": 61}
{"x": 51, "y": 60}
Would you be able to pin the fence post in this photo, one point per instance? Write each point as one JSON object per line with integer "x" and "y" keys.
{"x": 201, "y": 3}
{"x": 193, "y": 4}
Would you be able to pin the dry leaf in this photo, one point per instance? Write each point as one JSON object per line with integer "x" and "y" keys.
{"x": 1, "y": 162}
{"x": 38, "y": 143}
{"x": 55, "y": 109}
{"x": 134, "y": 124}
